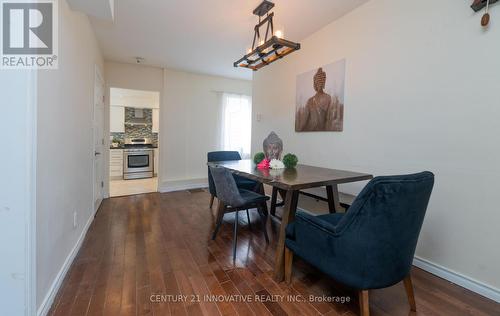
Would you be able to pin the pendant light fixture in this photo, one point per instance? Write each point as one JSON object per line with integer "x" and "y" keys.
{"x": 269, "y": 48}
{"x": 478, "y": 5}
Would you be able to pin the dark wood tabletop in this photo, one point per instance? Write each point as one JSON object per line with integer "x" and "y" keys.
{"x": 291, "y": 181}
{"x": 298, "y": 178}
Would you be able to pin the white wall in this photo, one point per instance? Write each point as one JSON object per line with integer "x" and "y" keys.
{"x": 189, "y": 121}
{"x": 65, "y": 167}
{"x": 18, "y": 89}
{"x": 133, "y": 76}
{"x": 421, "y": 94}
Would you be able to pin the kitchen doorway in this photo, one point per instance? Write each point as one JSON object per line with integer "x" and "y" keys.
{"x": 134, "y": 135}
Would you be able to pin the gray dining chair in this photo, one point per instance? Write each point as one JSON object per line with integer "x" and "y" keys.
{"x": 241, "y": 182}
{"x": 231, "y": 199}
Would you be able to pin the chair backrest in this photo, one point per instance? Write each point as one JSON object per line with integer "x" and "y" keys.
{"x": 219, "y": 156}
{"x": 223, "y": 156}
{"x": 227, "y": 190}
{"x": 384, "y": 223}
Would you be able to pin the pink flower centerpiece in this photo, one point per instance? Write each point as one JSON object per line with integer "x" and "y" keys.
{"x": 264, "y": 164}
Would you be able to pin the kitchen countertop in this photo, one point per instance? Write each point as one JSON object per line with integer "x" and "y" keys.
{"x": 122, "y": 147}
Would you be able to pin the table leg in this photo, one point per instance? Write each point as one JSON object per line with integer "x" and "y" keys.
{"x": 288, "y": 216}
{"x": 221, "y": 209}
{"x": 332, "y": 192}
{"x": 274, "y": 197}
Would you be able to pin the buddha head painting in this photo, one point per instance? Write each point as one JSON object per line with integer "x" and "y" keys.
{"x": 319, "y": 80}
{"x": 273, "y": 146}
{"x": 320, "y": 99}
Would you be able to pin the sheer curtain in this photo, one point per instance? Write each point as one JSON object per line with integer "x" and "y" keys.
{"x": 236, "y": 129}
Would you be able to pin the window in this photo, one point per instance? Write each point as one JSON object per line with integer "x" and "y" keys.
{"x": 236, "y": 123}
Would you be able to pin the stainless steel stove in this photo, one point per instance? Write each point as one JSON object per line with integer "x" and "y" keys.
{"x": 138, "y": 158}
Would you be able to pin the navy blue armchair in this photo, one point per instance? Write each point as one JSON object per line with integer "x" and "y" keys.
{"x": 373, "y": 244}
{"x": 241, "y": 182}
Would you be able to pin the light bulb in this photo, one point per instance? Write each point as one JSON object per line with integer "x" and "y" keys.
{"x": 261, "y": 42}
{"x": 249, "y": 50}
{"x": 278, "y": 34}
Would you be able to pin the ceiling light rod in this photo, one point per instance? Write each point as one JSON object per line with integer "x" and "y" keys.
{"x": 272, "y": 48}
{"x": 269, "y": 21}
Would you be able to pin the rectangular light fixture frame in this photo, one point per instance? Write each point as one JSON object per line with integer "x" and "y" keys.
{"x": 275, "y": 48}
{"x": 272, "y": 49}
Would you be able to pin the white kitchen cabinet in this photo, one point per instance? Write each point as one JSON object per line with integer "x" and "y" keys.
{"x": 117, "y": 119}
{"x": 116, "y": 164}
{"x": 155, "y": 161}
{"x": 156, "y": 120}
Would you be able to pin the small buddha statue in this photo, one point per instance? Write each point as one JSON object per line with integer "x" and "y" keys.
{"x": 273, "y": 146}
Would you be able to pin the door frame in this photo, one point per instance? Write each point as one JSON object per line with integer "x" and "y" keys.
{"x": 98, "y": 79}
{"x": 107, "y": 131}
{"x": 30, "y": 241}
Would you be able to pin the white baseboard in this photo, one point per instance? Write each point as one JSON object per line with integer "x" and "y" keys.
{"x": 54, "y": 288}
{"x": 179, "y": 185}
{"x": 459, "y": 279}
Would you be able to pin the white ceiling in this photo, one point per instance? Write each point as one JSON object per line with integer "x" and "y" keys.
{"x": 102, "y": 9}
{"x": 204, "y": 36}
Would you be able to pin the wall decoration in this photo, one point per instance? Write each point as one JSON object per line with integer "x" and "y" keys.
{"x": 273, "y": 147}
{"x": 320, "y": 99}
{"x": 478, "y": 5}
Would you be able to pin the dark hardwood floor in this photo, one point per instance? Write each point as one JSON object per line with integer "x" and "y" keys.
{"x": 142, "y": 251}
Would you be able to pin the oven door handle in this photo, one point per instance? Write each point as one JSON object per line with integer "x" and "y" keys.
{"x": 138, "y": 153}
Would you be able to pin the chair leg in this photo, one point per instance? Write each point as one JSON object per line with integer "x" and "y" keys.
{"x": 235, "y": 237}
{"x": 364, "y": 303}
{"x": 248, "y": 219}
{"x": 331, "y": 202}
{"x": 409, "y": 293}
{"x": 274, "y": 197}
{"x": 220, "y": 216}
{"x": 261, "y": 190}
{"x": 211, "y": 201}
{"x": 288, "y": 265}
{"x": 263, "y": 220}
{"x": 283, "y": 195}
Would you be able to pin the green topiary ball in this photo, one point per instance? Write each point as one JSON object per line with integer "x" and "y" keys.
{"x": 258, "y": 157}
{"x": 290, "y": 160}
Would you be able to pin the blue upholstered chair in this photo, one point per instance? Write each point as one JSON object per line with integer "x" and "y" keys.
{"x": 373, "y": 244}
{"x": 233, "y": 199}
{"x": 241, "y": 182}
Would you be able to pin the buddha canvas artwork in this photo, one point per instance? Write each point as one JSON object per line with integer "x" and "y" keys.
{"x": 320, "y": 99}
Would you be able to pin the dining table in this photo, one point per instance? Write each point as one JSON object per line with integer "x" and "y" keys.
{"x": 291, "y": 181}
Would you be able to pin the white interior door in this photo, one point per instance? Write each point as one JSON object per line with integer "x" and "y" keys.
{"x": 98, "y": 132}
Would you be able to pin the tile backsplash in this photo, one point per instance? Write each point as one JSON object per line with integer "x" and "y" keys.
{"x": 137, "y": 131}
